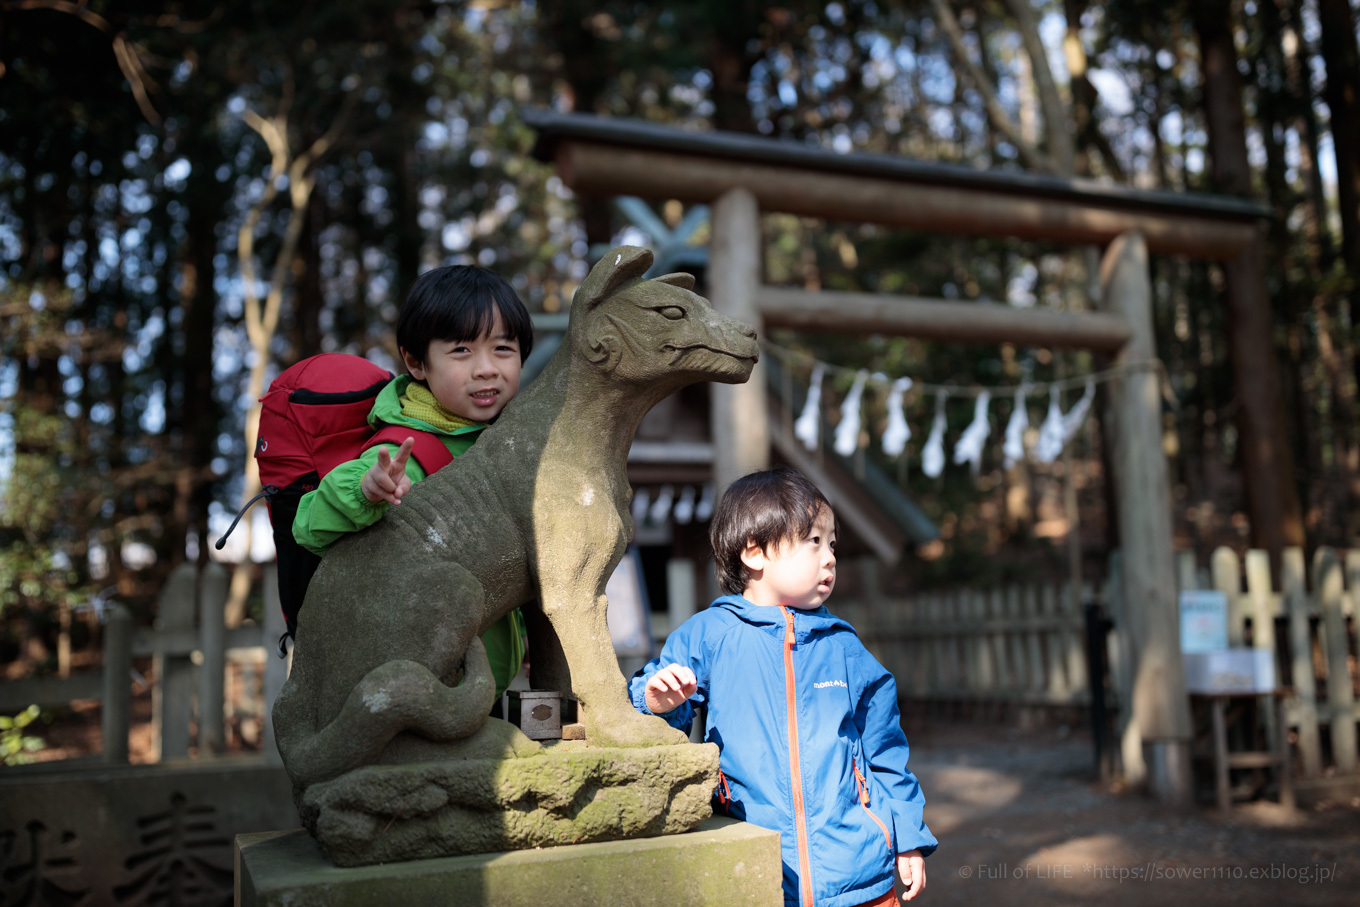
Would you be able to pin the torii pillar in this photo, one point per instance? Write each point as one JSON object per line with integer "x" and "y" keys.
{"x": 740, "y": 416}
{"x": 1156, "y": 736}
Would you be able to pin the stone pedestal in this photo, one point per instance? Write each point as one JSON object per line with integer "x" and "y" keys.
{"x": 722, "y": 862}
{"x": 567, "y": 792}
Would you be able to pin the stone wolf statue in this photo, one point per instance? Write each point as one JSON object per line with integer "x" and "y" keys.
{"x": 389, "y": 667}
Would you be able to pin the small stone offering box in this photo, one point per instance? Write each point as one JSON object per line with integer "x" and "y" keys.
{"x": 538, "y": 713}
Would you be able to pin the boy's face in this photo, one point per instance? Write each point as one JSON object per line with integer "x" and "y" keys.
{"x": 471, "y": 378}
{"x": 798, "y": 573}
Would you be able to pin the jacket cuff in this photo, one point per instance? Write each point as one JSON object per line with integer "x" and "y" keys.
{"x": 909, "y": 828}
{"x": 681, "y": 717}
{"x": 368, "y": 512}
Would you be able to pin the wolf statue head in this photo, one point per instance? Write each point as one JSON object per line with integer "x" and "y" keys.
{"x": 655, "y": 334}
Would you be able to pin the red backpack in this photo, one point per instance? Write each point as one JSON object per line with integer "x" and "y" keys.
{"x": 313, "y": 418}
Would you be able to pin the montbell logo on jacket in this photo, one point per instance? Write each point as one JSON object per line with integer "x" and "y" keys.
{"x": 837, "y": 790}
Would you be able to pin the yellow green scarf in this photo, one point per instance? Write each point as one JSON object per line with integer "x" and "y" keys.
{"x": 419, "y": 403}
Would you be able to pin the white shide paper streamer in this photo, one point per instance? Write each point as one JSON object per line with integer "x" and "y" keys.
{"x": 1058, "y": 429}
{"x": 847, "y": 433}
{"x": 898, "y": 433}
{"x": 704, "y": 509}
{"x": 932, "y": 455}
{"x": 809, "y": 421}
{"x": 661, "y": 507}
{"x": 1013, "y": 449}
{"x": 968, "y": 449}
{"x": 684, "y": 508}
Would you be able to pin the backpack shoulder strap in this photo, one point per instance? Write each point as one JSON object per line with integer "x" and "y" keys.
{"x": 429, "y": 451}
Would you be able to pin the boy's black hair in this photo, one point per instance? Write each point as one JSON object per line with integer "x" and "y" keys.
{"x": 765, "y": 508}
{"x": 459, "y": 302}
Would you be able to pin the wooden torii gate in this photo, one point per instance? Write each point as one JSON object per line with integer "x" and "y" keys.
{"x": 740, "y": 176}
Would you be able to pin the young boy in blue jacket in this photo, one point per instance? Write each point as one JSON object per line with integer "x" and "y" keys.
{"x": 805, "y": 719}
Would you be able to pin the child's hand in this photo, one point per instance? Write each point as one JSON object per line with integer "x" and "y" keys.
{"x": 386, "y": 480}
{"x": 669, "y": 687}
{"x": 911, "y": 866}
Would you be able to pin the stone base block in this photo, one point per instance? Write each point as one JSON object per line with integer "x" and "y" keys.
{"x": 566, "y": 793}
{"x": 722, "y": 862}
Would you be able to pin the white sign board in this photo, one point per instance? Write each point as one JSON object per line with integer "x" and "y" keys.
{"x": 1204, "y": 620}
{"x": 1230, "y": 671}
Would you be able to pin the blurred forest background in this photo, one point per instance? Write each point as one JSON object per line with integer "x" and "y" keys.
{"x": 195, "y": 194}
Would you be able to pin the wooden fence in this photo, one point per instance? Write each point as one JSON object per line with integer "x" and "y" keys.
{"x": 1018, "y": 646}
{"x": 981, "y": 651}
{"x": 190, "y": 649}
{"x": 1024, "y": 646}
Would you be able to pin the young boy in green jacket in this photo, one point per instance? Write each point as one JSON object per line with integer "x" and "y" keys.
{"x": 464, "y": 335}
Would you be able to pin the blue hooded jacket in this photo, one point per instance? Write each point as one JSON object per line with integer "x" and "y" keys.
{"x": 837, "y": 789}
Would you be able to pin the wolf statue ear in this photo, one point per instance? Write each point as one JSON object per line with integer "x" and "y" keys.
{"x": 678, "y": 279}
{"x": 619, "y": 266}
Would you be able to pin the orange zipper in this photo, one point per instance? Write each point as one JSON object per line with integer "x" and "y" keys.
{"x": 864, "y": 802}
{"x": 795, "y": 769}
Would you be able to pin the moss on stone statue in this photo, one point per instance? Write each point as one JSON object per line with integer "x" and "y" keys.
{"x": 569, "y": 793}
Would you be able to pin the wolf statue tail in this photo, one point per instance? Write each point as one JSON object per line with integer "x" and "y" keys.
{"x": 394, "y": 697}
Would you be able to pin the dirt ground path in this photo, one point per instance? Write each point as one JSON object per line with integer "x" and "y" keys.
{"x": 1022, "y": 822}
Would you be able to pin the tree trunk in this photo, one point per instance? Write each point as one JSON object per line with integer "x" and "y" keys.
{"x": 1342, "y": 94}
{"x": 1272, "y": 100}
{"x": 405, "y": 208}
{"x": 1342, "y": 58}
{"x": 731, "y": 68}
{"x": 308, "y": 299}
{"x": 201, "y": 414}
{"x": 1296, "y": 56}
{"x": 582, "y": 51}
{"x": 1267, "y": 464}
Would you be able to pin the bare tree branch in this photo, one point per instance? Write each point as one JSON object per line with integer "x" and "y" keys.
{"x": 137, "y": 77}
{"x": 262, "y": 317}
{"x": 126, "y": 53}
{"x": 275, "y": 135}
{"x": 1057, "y": 122}
{"x": 1032, "y": 157}
{"x": 1107, "y": 153}
{"x": 79, "y": 10}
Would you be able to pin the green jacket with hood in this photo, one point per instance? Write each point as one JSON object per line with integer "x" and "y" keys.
{"x": 338, "y": 507}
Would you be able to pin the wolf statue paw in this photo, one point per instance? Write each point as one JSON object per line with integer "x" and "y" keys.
{"x": 634, "y": 729}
